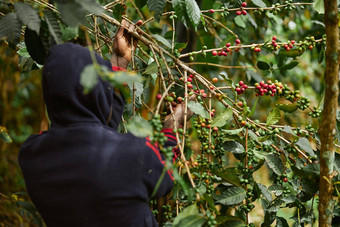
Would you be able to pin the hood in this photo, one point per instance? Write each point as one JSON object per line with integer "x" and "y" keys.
{"x": 65, "y": 101}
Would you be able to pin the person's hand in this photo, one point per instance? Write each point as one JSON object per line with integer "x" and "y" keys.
{"x": 122, "y": 46}
{"x": 179, "y": 115}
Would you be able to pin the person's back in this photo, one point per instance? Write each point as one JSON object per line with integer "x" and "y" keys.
{"x": 82, "y": 172}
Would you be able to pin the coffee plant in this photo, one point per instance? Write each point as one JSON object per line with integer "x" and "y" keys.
{"x": 250, "y": 156}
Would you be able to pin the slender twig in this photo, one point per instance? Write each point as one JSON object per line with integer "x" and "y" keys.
{"x": 140, "y": 15}
{"x": 96, "y": 35}
{"x": 242, "y": 46}
{"x": 173, "y": 33}
{"x": 220, "y": 24}
{"x": 133, "y": 86}
{"x": 246, "y": 167}
{"x": 162, "y": 98}
{"x": 220, "y": 66}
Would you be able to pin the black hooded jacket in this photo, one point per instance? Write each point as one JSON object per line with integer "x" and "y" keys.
{"x": 82, "y": 172}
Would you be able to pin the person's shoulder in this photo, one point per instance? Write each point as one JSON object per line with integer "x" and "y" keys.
{"x": 129, "y": 137}
{"x": 66, "y": 48}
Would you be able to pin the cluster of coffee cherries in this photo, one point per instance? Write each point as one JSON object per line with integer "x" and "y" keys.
{"x": 167, "y": 211}
{"x": 274, "y": 44}
{"x": 242, "y": 11}
{"x": 172, "y": 99}
{"x": 308, "y": 43}
{"x": 152, "y": 204}
{"x": 290, "y": 45}
{"x": 227, "y": 49}
{"x": 298, "y": 131}
{"x": 275, "y": 9}
{"x": 315, "y": 113}
{"x": 303, "y": 103}
{"x": 256, "y": 48}
{"x": 252, "y": 162}
{"x": 270, "y": 149}
{"x": 188, "y": 81}
{"x": 282, "y": 180}
{"x": 310, "y": 128}
{"x": 268, "y": 88}
{"x": 211, "y": 220}
{"x": 240, "y": 87}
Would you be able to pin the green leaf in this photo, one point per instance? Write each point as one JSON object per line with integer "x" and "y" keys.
{"x": 120, "y": 77}
{"x": 198, "y": 109}
{"x": 259, "y": 3}
{"x": 53, "y": 26}
{"x": 139, "y": 88}
{"x": 259, "y": 154}
{"x": 180, "y": 46}
{"x": 119, "y": 9}
{"x": 233, "y": 132}
{"x": 281, "y": 222}
{"x": 162, "y": 40}
{"x": 321, "y": 55}
{"x": 222, "y": 118}
{"x": 192, "y": 220}
{"x": 263, "y": 65}
{"x": 290, "y": 65}
{"x": 240, "y": 21}
{"x": 4, "y": 135}
{"x": 151, "y": 69}
{"x": 289, "y": 199}
{"x": 292, "y": 53}
{"x": 288, "y": 108}
{"x": 233, "y": 147}
{"x": 319, "y": 6}
{"x": 273, "y": 117}
{"x": 72, "y": 13}
{"x": 188, "y": 211}
{"x": 230, "y": 175}
{"x": 91, "y": 6}
{"x": 140, "y": 3}
{"x": 35, "y": 46}
{"x": 232, "y": 196}
{"x": 304, "y": 144}
{"x": 227, "y": 218}
{"x": 288, "y": 129}
{"x": 68, "y": 33}
{"x": 140, "y": 127}
{"x": 274, "y": 164}
{"x": 253, "y": 108}
{"x": 307, "y": 218}
{"x": 264, "y": 138}
{"x": 312, "y": 170}
{"x": 193, "y": 12}
{"x": 10, "y": 28}
{"x": 156, "y": 6}
{"x": 179, "y": 6}
{"x": 253, "y": 136}
{"x": 265, "y": 192}
{"x": 277, "y": 189}
{"x": 23, "y": 52}
{"x": 88, "y": 78}
{"x": 28, "y": 15}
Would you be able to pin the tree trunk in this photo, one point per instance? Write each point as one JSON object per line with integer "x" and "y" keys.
{"x": 327, "y": 127}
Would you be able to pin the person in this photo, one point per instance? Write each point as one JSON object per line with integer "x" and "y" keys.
{"x": 82, "y": 172}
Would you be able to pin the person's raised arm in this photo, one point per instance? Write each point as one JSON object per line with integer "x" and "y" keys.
{"x": 179, "y": 113}
{"x": 122, "y": 47}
